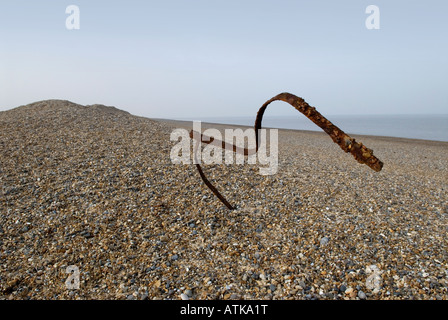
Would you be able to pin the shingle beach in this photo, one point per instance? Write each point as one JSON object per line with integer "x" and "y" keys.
{"x": 93, "y": 188}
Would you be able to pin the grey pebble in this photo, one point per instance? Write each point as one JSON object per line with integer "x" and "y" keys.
{"x": 144, "y": 296}
{"x": 362, "y": 295}
{"x": 183, "y": 296}
{"x": 86, "y": 234}
{"x": 324, "y": 241}
{"x": 272, "y": 287}
{"x": 189, "y": 293}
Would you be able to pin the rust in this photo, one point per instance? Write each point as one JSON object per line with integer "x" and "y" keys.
{"x": 360, "y": 152}
{"x": 208, "y": 140}
{"x": 224, "y": 145}
{"x": 214, "y": 190}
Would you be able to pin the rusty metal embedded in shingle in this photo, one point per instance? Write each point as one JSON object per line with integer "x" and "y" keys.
{"x": 360, "y": 152}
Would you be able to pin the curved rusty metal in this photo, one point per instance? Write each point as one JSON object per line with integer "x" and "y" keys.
{"x": 360, "y": 152}
{"x": 208, "y": 140}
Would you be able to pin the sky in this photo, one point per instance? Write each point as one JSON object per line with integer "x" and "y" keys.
{"x": 225, "y": 58}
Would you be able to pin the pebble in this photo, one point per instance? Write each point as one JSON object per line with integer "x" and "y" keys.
{"x": 183, "y": 296}
{"x": 144, "y": 296}
{"x": 372, "y": 268}
{"x": 324, "y": 241}
{"x": 362, "y": 295}
{"x": 349, "y": 290}
{"x": 99, "y": 207}
{"x": 374, "y": 282}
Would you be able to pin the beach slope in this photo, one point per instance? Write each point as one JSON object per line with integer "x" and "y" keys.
{"x": 93, "y": 189}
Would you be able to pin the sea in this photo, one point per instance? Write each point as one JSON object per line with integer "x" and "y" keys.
{"x": 426, "y": 127}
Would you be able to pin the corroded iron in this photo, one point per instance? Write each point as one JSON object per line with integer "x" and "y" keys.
{"x": 360, "y": 152}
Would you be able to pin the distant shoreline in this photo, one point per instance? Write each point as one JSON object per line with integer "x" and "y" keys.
{"x": 187, "y": 124}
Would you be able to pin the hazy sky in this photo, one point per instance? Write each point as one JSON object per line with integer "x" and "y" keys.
{"x": 190, "y": 58}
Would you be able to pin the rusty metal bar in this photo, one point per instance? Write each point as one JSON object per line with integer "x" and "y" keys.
{"x": 214, "y": 190}
{"x": 360, "y": 152}
{"x": 224, "y": 145}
